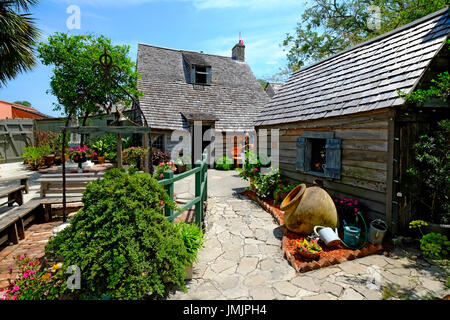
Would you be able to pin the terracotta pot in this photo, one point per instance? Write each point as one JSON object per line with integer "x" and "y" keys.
{"x": 49, "y": 160}
{"x": 66, "y": 157}
{"x": 309, "y": 255}
{"x": 101, "y": 160}
{"x": 306, "y": 208}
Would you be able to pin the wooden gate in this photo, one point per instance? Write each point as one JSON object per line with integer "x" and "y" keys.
{"x": 15, "y": 135}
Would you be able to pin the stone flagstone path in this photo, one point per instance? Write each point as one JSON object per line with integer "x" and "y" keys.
{"x": 242, "y": 259}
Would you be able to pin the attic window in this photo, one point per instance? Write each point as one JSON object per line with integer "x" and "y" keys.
{"x": 201, "y": 75}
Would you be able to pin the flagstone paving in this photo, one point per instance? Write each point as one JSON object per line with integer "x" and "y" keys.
{"x": 242, "y": 259}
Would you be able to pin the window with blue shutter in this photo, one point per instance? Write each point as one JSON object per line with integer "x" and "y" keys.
{"x": 319, "y": 153}
{"x": 333, "y": 158}
{"x": 301, "y": 154}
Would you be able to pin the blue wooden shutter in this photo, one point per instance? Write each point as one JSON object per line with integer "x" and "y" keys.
{"x": 301, "y": 153}
{"x": 193, "y": 74}
{"x": 208, "y": 76}
{"x": 333, "y": 165}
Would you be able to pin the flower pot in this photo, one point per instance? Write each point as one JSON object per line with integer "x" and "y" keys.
{"x": 49, "y": 160}
{"x": 101, "y": 160}
{"x": 181, "y": 168}
{"x": 309, "y": 255}
{"x": 66, "y": 157}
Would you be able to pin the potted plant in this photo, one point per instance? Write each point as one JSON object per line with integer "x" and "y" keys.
{"x": 134, "y": 156}
{"x": 308, "y": 249}
{"x": 101, "y": 148}
{"x": 192, "y": 236}
{"x": 163, "y": 167}
{"x": 80, "y": 154}
{"x": 34, "y": 156}
{"x": 182, "y": 164}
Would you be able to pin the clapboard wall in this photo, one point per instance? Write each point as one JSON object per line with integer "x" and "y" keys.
{"x": 366, "y": 157}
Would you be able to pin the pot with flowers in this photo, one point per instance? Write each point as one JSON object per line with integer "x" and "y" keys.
{"x": 80, "y": 154}
{"x": 163, "y": 167}
{"x": 308, "y": 249}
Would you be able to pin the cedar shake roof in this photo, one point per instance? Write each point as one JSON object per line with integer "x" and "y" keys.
{"x": 363, "y": 78}
{"x": 234, "y": 96}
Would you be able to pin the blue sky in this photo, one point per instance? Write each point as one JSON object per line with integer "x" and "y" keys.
{"x": 211, "y": 26}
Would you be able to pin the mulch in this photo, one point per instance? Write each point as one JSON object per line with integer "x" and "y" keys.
{"x": 328, "y": 256}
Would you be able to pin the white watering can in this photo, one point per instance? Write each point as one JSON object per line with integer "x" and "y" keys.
{"x": 327, "y": 235}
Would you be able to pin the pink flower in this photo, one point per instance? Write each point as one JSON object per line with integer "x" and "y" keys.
{"x": 356, "y": 210}
{"x": 161, "y": 175}
{"x": 14, "y": 298}
{"x": 22, "y": 257}
{"x": 16, "y": 288}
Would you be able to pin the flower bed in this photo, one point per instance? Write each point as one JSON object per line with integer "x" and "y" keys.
{"x": 327, "y": 257}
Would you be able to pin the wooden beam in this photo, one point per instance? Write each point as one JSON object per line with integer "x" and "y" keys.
{"x": 112, "y": 129}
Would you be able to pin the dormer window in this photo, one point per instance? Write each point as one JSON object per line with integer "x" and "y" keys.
{"x": 201, "y": 75}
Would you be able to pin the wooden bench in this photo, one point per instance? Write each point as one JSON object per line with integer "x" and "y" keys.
{"x": 24, "y": 181}
{"x": 48, "y": 202}
{"x": 13, "y": 222}
{"x": 73, "y": 184}
{"x": 14, "y": 195}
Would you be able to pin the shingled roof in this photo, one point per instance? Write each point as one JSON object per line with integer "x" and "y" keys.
{"x": 363, "y": 78}
{"x": 234, "y": 96}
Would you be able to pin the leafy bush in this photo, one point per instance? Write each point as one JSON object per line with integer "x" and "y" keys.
{"x": 431, "y": 174}
{"x": 134, "y": 156}
{"x": 192, "y": 236}
{"x": 281, "y": 191}
{"x": 224, "y": 163}
{"x": 434, "y": 245}
{"x": 34, "y": 156}
{"x": 159, "y": 156}
{"x": 106, "y": 146}
{"x": 121, "y": 241}
{"x": 252, "y": 166}
{"x": 265, "y": 184}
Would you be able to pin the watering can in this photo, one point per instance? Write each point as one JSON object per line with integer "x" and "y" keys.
{"x": 327, "y": 235}
{"x": 351, "y": 236}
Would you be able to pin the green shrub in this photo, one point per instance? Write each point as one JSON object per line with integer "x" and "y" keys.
{"x": 34, "y": 156}
{"x": 434, "y": 245}
{"x": 224, "y": 163}
{"x": 265, "y": 184}
{"x": 123, "y": 244}
{"x": 192, "y": 236}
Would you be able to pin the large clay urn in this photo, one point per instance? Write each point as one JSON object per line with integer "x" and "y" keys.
{"x": 306, "y": 208}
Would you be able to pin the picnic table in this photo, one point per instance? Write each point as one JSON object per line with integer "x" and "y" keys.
{"x": 75, "y": 183}
{"x": 24, "y": 181}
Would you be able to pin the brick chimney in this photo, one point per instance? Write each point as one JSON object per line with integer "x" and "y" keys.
{"x": 238, "y": 52}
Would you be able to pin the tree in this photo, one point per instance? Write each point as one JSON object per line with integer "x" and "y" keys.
{"x": 18, "y": 35}
{"x": 73, "y": 58}
{"x": 331, "y": 26}
{"x": 23, "y": 103}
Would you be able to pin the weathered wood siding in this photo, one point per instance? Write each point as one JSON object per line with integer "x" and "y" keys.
{"x": 365, "y": 157}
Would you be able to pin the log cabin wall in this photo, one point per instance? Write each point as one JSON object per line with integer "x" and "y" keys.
{"x": 366, "y": 165}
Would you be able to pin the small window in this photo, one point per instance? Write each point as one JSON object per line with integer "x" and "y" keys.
{"x": 201, "y": 75}
{"x": 158, "y": 143}
{"x": 318, "y": 155}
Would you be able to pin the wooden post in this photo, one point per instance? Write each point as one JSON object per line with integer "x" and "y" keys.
{"x": 145, "y": 144}
{"x": 198, "y": 193}
{"x": 63, "y": 160}
{"x": 119, "y": 151}
{"x": 169, "y": 188}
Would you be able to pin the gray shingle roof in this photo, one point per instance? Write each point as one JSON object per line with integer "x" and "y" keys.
{"x": 363, "y": 78}
{"x": 234, "y": 96}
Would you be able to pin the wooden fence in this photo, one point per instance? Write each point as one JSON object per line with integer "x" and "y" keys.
{"x": 15, "y": 135}
{"x": 201, "y": 190}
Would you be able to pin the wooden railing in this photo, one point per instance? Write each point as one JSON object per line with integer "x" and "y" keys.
{"x": 201, "y": 190}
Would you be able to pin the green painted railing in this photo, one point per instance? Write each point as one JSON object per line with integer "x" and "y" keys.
{"x": 201, "y": 190}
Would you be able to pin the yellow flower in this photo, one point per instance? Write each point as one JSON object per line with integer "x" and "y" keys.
{"x": 56, "y": 267}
